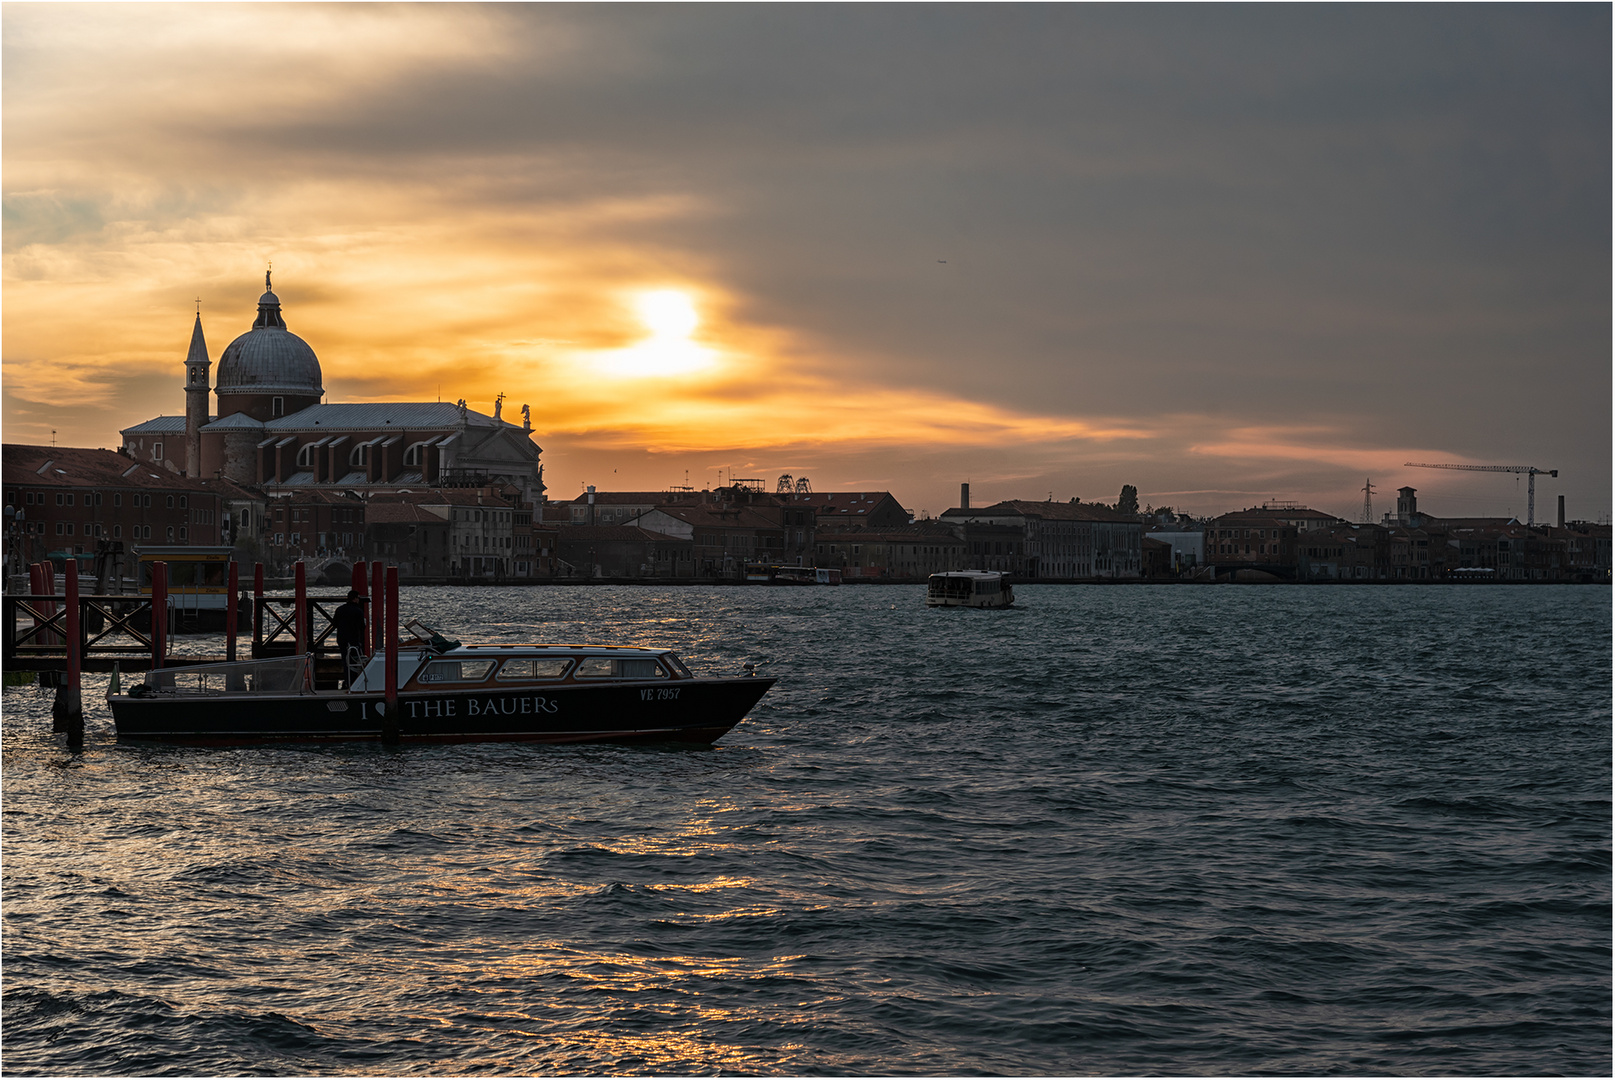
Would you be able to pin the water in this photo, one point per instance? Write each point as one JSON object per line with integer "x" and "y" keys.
{"x": 1111, "y": 831}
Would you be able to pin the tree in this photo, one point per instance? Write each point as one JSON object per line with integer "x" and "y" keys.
{"x": 1128, "y": 503}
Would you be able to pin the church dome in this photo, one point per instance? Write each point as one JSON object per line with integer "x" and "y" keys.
{"x": 269, "y": 359}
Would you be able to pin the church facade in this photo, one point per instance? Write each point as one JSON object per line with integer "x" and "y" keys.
{"x": 272, "y": 430}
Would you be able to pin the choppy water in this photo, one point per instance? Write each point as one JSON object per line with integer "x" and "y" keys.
{"x": 1114, "y": 830}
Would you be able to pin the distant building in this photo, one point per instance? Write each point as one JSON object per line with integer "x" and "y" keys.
{"x": 1344, "y": 552}
{"x": 272, "y": 430}
{"x": 1050, "y": 540}
{"x": 412, "y": 537}
{"x": 912, "y": 553}
{"x": 1186, "y": 548}
{"x": 624, "y": 551}
{"x": 1262, "y": 539}
{"x": 71, "y": 499}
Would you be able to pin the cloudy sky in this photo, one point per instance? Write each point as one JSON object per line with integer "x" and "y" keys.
{"x": 1224, "y": 254}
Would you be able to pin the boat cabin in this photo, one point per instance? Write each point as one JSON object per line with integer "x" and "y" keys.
{"x": 493, "y": 666}
{"x": 969, "y": 588}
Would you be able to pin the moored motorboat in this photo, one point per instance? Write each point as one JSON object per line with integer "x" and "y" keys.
{"x": 444, "y": 692}
{"x": 969, "y": 588}
{"x": 763, "y": 574}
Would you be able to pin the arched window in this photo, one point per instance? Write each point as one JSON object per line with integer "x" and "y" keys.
{"x": 305, "y": 456}
{"x": 416, "y": 451}
{"x": 359, "y": 456}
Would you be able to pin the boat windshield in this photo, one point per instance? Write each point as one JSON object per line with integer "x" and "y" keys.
{"x": 280, "y": 675}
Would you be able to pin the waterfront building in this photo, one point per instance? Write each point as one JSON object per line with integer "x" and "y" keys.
{"x": 723, "y": 537}
{"x": 1262, "y": 539}
{"x": 1343, "y": 552}
{"x": 911, "y": 553}
{"x": 412, "y": 537}
{"x": 1185, "y": 547}
{"x": 1051, "y": 540}
{"x": 623, "y": 551}
{"x": 71, "y": 500}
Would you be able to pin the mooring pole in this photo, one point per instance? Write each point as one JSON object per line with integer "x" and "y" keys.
{"x": 37, "y": 589}
{"x": 47, "y": 587}
{"x": 389, "y": 726}
{"x": 301, "y": 613}
{"x": 257, "y": 607}
{"x": 230, "y": 603}
{"x": 159, "y": 613}
{"x": 378, "y": 602}
{"x": 361, "y": 585}
{"x": 71, "y": 719}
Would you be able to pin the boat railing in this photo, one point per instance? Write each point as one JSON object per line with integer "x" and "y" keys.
{"x": 279, "y": 675}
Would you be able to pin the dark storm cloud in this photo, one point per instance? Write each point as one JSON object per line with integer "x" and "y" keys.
{"x": 1389, "y": 222}
{"x": 1164, "y": 193}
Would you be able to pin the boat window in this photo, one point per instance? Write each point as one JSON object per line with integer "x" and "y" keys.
{"x": 531, "y": 668}
{"x": 678, "y": 666}
{"x": 611, "y": 667}
{"x": 446, "y": 671}
{"x": 640, "y": 669}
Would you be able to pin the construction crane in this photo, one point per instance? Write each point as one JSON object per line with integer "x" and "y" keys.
{"x": 1531, "y": 472}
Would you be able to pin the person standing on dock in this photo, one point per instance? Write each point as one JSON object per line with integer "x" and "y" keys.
{"x": 350, "y": 635}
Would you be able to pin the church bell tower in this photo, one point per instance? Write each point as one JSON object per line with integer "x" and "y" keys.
{"x": 196, "y": 399}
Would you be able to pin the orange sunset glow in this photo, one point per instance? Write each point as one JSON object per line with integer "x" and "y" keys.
{"x": 691, "y": 255}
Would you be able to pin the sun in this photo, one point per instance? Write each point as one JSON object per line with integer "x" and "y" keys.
{"x": 671, "y": 317}
{"x": 668, "y": 313}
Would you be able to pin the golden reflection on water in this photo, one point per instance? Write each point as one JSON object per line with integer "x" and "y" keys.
{"x": 578, "y": 1002}
{"x": 665, "y": 1009}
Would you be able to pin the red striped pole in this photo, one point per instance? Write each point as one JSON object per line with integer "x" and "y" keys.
{"x": 75, "y": 661}
{"x": 36, "y": 587}
{"x": 378, "y": 607}
{"x": 257, "y": 607}
{"x": 390, "y": 725}
{"x": 230, "y": 603}
{"x": 47, "y": 586}
{"x": 361, "y": 585}
{"x": 75, "y": 643}
{"x": 301, "y": 614}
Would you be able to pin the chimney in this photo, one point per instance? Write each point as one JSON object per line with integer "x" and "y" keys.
{"x": 964, "y": 496}
{"x": 1561, "y": 511}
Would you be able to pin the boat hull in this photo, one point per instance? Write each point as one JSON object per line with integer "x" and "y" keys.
{"x": 697, "y": 711}
{"x": 999, "y": 601}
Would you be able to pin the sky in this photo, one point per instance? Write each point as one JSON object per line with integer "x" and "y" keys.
{"x": 1224, "y": 254}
